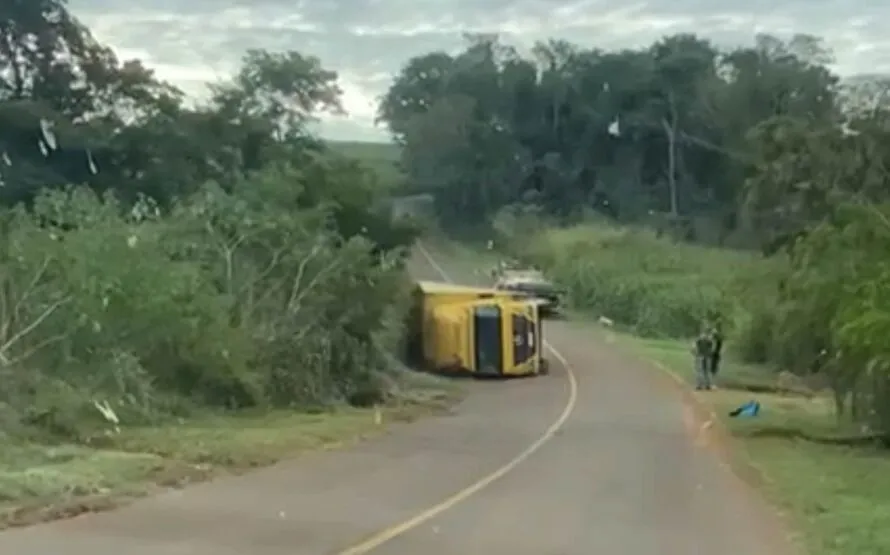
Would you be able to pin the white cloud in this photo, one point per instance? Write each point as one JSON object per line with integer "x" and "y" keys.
{"x": 620, "y": 22}
{"x": 173, "y": 72}
{"x": 360, "y": 104}
{"x": 357, "y": 100}
{"x": 228, "y": 19}
{"x": 367, "y": 40}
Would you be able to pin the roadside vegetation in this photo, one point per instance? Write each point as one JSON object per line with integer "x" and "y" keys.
{"x": 380, "y": 158}
{"x": 184, "y": 290}
{"x": 678, "y": 183}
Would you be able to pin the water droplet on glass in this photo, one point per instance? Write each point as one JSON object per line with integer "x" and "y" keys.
{"x": 46, "y": 129}
{"x": 91, "y": 163}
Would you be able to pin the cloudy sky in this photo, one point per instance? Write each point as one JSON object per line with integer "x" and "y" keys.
{"x": 190, "y": 42}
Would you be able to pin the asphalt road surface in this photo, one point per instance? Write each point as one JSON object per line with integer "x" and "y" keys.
{"x": 599, "y": 457}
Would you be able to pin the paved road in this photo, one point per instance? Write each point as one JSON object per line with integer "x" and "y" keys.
{"x": 622, "y": 475}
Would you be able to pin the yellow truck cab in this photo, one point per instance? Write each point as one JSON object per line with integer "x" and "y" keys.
{"x": 475, "y": 330}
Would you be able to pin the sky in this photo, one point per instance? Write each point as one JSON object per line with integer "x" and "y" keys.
{"x": 191, "y": 42}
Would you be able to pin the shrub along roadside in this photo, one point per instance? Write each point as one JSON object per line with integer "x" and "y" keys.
{"x": 229, "y": 302}
{"x": 132, "y": 343}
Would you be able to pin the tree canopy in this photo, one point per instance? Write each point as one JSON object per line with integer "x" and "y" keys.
{"x": 162, "y": 256}
{"x": 680, "y": 133}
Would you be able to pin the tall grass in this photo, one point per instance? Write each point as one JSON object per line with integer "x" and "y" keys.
{"x": 653, "y": 285}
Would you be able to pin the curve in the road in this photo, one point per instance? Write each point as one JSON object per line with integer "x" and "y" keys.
{"x": 384, "y": 536}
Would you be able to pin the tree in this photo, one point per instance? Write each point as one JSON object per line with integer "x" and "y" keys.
{"x": 163, "y": 258}
{"x": 683, "y": 65}
{"x": 629, "y": 134}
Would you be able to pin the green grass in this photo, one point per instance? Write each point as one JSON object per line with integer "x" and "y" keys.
{"x": 366, "y": 150}
{"x": 380, "y": 158}
{"x": 838, "y": 496}
{"x": 654, "y": 286}
{"x": 40, "y": 482}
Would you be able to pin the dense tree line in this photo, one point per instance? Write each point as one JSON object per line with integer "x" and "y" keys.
{"x": 161, "y": 256}
{"x": 760, "y": 147}
{"x": 666, "y": 134}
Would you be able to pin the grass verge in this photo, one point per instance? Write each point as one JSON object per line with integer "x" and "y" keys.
{"x": 40, "y": 482}
{"x": 838, "y": 495}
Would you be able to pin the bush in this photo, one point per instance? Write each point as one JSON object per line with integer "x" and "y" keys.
{"x": 832, "y": 314}
{"x": 246, "y": 298}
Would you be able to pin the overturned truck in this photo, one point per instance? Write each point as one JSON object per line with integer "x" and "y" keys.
{"x": 475, "y": 331}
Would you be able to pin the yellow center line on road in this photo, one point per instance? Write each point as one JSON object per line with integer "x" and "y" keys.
{"x": 397, "y": 530}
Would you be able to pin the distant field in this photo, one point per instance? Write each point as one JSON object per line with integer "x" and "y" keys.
{"x": 367, "y": 151}
{"x": 382, "y": 158}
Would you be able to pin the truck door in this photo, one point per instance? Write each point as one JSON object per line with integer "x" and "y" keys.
{"x": 488, "y": 339}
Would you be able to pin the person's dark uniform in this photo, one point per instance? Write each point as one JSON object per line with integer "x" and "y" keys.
{"x": 703, "y": 350}
{"x": 717, "y": 347}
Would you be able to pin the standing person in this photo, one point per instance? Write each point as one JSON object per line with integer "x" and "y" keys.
{"x": 703, "y": 350}
{"x": 717, "y": 338}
